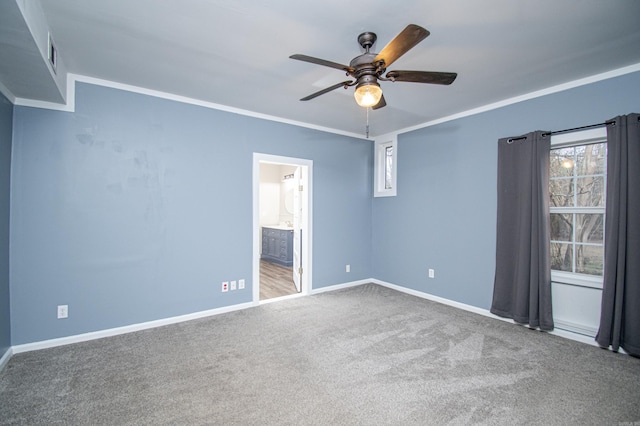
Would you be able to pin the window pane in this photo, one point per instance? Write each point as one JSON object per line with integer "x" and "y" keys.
{"x": 589, "y": 228}
{"x": 590, "y": 159}
{"x": 561, "y": 227}
{"x": 589, "y": 259}
{"x": 561, "y": 257}
{"x": 590, "y": 191}
{"x": 561, "y": 191}
{"x": 388, "y": 167}
{"x": 561, "y": 164}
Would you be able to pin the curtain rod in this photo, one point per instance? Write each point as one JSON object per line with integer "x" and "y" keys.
{"x": 590, "y": 126}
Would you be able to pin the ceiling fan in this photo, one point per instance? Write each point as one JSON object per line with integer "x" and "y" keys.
{"x": 369, "y": 67}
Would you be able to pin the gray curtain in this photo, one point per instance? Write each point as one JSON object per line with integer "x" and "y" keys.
{"x": 522, "y": 286}
{"x": 620, "y": 317}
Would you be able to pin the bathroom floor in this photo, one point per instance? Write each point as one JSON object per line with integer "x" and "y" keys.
{"x": 275, "y": 280}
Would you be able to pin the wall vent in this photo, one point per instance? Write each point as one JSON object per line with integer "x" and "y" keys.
{"x": 52, "y": 54}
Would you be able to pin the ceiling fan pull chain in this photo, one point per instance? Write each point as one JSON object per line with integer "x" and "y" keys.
{"x": 367, "y": 128}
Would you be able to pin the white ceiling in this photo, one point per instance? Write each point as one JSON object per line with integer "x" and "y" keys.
{"x": 236, "y": 53}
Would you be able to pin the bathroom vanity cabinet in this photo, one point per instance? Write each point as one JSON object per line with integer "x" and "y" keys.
{"x": 277, "y": 246}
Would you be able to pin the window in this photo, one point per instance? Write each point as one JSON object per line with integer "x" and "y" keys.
{"x": 577, "y": 188}
{"x": 388, "y": 166}
{"x": 385, "y": 166}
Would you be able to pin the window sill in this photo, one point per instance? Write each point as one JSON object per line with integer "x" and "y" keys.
{"x": 580, "y": 280}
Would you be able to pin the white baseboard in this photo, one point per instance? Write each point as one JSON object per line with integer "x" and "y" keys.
{"x": 442, "y": 300}
{"x": 341, "y": 286}
{"x": 44, "y": 344}
{"x": 567, "y": 334}
{"x": 173, "y": 320}
{"x": 27, "y": 347}
{"x": 571, "y": 335}
{"x": 582, "y": 329}
{"x": 5, "y": 358}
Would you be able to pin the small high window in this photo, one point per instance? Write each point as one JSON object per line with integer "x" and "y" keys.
{"x": 385, "y": 167}
{"x": 388, "y": 167}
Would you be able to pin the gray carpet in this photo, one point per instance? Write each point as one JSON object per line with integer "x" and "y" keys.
{"x": 366, "y": 355}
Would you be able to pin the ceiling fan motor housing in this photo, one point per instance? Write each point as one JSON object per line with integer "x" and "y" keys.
{"x": 365, "y": 70}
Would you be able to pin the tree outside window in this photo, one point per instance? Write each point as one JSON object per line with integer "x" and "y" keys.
{"x": 577, "y": 206}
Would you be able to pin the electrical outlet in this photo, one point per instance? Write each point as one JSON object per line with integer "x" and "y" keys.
{"x": 63, "y": 311}
{"x": 348, "y": 268}
{"x": 225, "y": 286}
{"x": 233, "y": 285}
{"x": 432, "y": 273}
{"x": 241, "y": 284}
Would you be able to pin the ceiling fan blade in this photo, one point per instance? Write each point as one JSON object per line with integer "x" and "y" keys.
{"x": 322, "y": 62}
{"x": 327, "y": 90}
{"x": 400, "y": 45}
{"x": 423, "y": 76}
{"x": 381, "y": 103}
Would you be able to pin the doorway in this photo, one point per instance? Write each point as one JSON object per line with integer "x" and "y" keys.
{"x": 282, "y": 217}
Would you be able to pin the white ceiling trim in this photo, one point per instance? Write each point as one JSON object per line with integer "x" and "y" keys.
{"x": 70, "y": 105}
{"x": 7, "y": 93}
{"x": 73, "y": 78}
{"x": 539, "y": 93}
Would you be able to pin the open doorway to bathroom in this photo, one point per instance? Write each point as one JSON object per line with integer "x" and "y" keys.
{"x": 281, "y": 227}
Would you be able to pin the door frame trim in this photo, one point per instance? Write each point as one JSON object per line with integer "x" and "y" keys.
{"x": 307, "y": 216}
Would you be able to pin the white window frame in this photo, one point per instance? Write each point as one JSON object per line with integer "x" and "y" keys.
{"x": 379, "y": 172}
{"x": 584, "y": 137}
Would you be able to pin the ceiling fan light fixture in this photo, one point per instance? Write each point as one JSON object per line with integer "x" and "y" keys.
{"x": 368, "y": 94}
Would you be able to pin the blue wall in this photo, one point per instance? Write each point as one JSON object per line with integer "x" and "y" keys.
{"x": 136, "y": 208}
{"x": 444, "y": 216}
{"x": 6, "y": 123}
